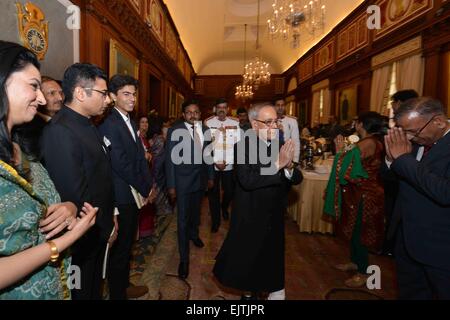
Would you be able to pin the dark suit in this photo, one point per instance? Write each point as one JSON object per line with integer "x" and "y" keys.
{"x": 78, "y": 164}
{"x": 190, "y": 182}
{"x": 130, "y": 168}
{"x": 252, "y": 255}
{"x": 422, "y": 219}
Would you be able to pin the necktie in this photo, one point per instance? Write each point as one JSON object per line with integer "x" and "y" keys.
{"x": 197, "y": 140}
{"x": 426, "y": 149}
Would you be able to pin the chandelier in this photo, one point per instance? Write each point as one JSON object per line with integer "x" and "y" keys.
{"x": 290, "y": 16}
{"x": 256, "y": 72}
{"x": 244, "y": 91}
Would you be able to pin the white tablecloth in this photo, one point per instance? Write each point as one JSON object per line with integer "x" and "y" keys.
{"x": 306, "y": 203}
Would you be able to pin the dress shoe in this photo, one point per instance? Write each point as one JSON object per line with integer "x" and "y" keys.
{"x": 246, "y": 297}
{"x": 134, "y": 292}
{"x": 183, "y": 270}
{"x": 357, "y": 281}
{"x": 198, "y": 243}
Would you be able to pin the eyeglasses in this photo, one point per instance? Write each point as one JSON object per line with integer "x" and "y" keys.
{"x": 270, "y": 122}
{"x": 414, "y": 135}
{"x": 196, "y": 113}
{"x": 104, "y": 92}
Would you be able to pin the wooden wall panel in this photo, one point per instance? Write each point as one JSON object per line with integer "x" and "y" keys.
{"x": 354, "y": 67}
{"x": 103, "y": 20}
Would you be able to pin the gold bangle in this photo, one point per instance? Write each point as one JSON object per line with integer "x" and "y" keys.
{"x": 54, "y": 250}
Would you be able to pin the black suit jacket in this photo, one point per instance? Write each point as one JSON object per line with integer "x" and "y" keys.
{"x": 187, "y": 176}
{"x": 79, "y": 165}
{"x": 423, "y": 203}
{"x": 130, "y": 168}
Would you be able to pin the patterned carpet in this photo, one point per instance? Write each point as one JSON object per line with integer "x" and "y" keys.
{"x": 145, "y": 267}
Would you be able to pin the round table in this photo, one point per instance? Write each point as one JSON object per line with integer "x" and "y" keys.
{"x": 306, "y": 203}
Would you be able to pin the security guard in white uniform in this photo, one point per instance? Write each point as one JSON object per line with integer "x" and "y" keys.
{"x": 225, "y": 133}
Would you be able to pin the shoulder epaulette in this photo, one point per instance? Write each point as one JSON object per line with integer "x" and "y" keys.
{"x": 234, "y": 118}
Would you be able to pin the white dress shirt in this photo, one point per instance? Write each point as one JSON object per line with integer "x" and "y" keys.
{"x": 127, "y": 120}
{"x": 198, "y": 129}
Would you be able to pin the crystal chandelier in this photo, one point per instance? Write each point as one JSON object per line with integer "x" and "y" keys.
{"x": 244, "y": 91}
{"x": 290, "y": 16}
{"x": 257, "y": 71}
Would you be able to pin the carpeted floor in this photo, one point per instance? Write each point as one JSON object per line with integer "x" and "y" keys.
{"x": 309, "y": 266}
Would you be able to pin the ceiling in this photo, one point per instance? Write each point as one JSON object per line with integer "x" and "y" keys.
{"x": 213, "y": 33}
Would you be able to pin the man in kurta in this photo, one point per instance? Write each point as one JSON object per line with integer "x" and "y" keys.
{"x": 252, "y": 256}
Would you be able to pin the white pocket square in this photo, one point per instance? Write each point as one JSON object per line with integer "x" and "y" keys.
{"x": 106, "y": 141}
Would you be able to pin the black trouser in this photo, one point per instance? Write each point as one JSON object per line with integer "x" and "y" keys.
{"x": 226, "y": 178}
{"x": 188, "y": 208}
{"x": 417, "y": 281}
{"x": 88, "y": 254}
{"x": 119, "y": 260}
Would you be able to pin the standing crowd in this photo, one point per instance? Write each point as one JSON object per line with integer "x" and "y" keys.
{"x": 75, "y": 192}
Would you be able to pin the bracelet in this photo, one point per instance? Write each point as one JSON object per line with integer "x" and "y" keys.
{"x": 54, "y": 250}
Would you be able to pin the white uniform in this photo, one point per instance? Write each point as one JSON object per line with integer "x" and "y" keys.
{"x": 224, "y": 144}
{"x": 290, "y": 131}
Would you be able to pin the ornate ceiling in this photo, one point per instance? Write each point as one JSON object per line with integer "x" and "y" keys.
{"x": 212, "y": 32}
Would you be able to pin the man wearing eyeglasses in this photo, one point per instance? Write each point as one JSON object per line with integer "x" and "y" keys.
{"x": 78, "y": 163}
{"x": 252, "y": 256}
{"x": 418, "y": 153}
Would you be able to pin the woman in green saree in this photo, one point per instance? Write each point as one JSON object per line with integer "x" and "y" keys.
{"x": 355, "y": 194}
{"x": 34, "y": 226}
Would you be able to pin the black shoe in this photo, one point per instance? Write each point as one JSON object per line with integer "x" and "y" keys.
{"x": 225, "y": 215}
{"x": 249, "y": 298}
{"x": 198, "y": 243}
{"x": 214, "y": 229}
{"x": 183, "y": 270}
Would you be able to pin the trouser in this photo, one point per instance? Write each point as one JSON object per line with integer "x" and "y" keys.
{"x": 359, "y": 254}
{"x": 119, "y": 260}
{"x": 188, "y": 210}
{"x": 417, "y": 281}
{"x": 226, "y": 179}
{"x": 88, "y": 254}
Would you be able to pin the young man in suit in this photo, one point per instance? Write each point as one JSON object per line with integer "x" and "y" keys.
{"x": 130, "y": 170}
{"x": 418, "y": 153}
{"x": 78, "y": 163}
{"x": 188, "y": 175}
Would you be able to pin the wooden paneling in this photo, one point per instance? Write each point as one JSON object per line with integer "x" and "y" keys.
{"x": 214, "y": 87}
{"x": 103, "y": 20}
{"x": 352, "y": 61}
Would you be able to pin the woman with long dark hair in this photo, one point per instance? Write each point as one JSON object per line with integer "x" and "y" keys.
{"x": 34, "y": 226}
{"x": 355, "y": 194}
